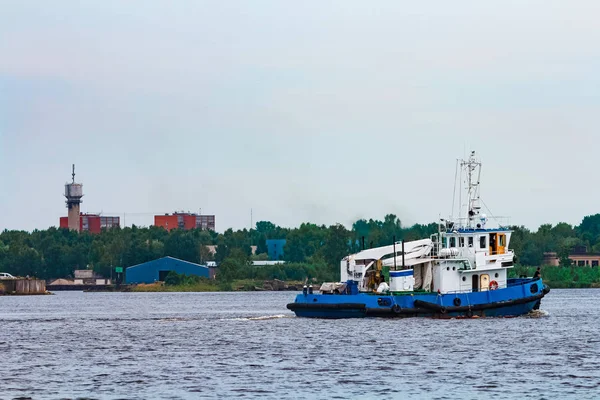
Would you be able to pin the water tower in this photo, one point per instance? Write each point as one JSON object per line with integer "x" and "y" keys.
{"x": 74, "y": 193}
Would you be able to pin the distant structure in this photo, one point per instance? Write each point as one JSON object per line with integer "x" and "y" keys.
{"x": 73, "y": 193}
{"x": 93, "y": 223}
{"x": 266, "y": 263}
{"x": 75, "y": 220}
{"x": 275, "y": 249}
{"x": 157, "y": 270}
{"x": 186, "y": 221}
{"x": 578, "y": 256}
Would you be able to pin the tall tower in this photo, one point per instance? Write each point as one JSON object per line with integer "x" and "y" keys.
{"x": 74, "y": 193}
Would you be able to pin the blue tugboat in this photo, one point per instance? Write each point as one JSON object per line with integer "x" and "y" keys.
{"x": 460, "y": 272}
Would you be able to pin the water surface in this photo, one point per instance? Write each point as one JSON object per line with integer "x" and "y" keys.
{"x": 248, "y": 345}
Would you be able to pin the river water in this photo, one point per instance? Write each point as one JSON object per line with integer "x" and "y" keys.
{"x": 248, "y": 345}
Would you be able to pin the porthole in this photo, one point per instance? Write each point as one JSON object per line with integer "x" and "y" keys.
{"x": 464, "y": 278}
{"x": 453, "y": 268}
{"x": 447, "y": 268}
{"x": 497, "y": 275}
{"x": 534, "y": 288}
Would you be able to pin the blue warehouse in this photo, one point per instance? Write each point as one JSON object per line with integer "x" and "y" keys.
{"x": 157, "y": 270}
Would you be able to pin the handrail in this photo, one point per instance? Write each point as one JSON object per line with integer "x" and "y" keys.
{"x": 471, "y": 291}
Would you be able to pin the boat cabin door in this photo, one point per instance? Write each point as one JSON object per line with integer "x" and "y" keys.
{"x": 501, "y": 243}
{"x": 475, "y": 283}
{"x": 497, "y": 243}
{"x": 484, "y": 282}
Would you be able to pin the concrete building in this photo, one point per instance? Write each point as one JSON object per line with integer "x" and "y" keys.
{"x": 92, "y": 223}
{"x": 578, "y": 257}
{"x": 185, "y": 221}
{"x": 75, "y": 220}
{"x": 275, "y": 248}
{"x": 551, "y": 259}
{"x": 88, "y": 277}
{"x": 585, "y": 260}
{"x": 157, "y": 270}
{"x": 73, "y": 193}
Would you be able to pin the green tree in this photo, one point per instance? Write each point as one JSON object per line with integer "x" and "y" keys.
{"x": 589, "y": 229}
{"x": 336, "y": 245}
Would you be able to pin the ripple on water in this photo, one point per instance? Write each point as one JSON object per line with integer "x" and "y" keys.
{"x": 177, "y": 345}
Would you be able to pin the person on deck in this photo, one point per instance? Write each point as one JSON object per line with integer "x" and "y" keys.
{"x": 538, "y": 273}
{"x": 383, "y": 287}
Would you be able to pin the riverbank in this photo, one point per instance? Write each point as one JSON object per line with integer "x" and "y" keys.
{"x": 554, "y": 277}
{"x": 241, "y": 285}
{"x": 562, "y": 277}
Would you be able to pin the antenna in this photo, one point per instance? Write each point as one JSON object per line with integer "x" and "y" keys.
{"x": 454, "y": 193}
{"x": 472, "y": 167}
{"x": 73, "y": 173}
{"x": 251, "y": 219}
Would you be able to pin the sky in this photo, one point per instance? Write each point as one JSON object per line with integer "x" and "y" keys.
{"x": 312, "y": 111}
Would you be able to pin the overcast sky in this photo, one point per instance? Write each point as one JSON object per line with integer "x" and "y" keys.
{"x": 320, "y": 111}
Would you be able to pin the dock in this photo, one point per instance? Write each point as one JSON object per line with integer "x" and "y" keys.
{"x": 22, "y": 286}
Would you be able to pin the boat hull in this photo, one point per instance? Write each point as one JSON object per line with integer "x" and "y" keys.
{"x": 519, "y": 298}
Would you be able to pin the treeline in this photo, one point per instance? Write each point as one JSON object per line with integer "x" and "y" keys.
{"x": 561, "y": 238}
{"x": 56, "y": 253}
{"x": 311, "y": 250}
{"x": 563, "y": 277}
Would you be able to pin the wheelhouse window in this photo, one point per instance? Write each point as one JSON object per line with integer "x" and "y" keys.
{"x": 502, "y": 240}
{"x": 461, "y": 242}
{"x": 482, "y": 242}
{"x": 470, "y": 241}
{"x": 452, "y": 242}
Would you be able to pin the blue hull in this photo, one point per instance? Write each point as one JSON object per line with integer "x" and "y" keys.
{"x": 518, "y": 298}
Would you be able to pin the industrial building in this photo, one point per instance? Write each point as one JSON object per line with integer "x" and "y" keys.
{"x": 75, "y": 220}
{"x": 73, "y": 193}
{"x": 157, "y": 270}
{"x": 180, "y": 220}
{"x": 83, "y": 279}
{"x": 92, "y": 223}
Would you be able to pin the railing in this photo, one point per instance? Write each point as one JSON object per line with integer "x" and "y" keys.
{"x": 463, "y": 223}
{"x": 477, "y": 291}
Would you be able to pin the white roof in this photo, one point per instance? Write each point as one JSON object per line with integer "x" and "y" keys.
{"x": 379, "y": 252}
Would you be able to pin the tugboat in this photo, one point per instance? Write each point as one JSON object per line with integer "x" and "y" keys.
{"x": 460, "y": 272}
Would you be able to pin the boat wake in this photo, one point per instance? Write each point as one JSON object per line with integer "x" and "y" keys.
{"x": 262, "y": 318}
{"x": 173, "y": 319}
{"x": 538, "y": 314}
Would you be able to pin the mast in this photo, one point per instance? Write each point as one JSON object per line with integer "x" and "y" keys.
{"x": 472, "y": 167}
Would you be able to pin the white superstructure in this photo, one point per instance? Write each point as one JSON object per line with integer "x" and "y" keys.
{"x": 464, "y": 256}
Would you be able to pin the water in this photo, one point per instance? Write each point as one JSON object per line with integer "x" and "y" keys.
{"x": 248, "y": 345}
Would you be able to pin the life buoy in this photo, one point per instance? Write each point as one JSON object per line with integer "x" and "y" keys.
{"x": 443, "y": 310}
{"x": 396, "y": 308}
{"x": 493, "y": 285}
{"x": 457, "y": 302}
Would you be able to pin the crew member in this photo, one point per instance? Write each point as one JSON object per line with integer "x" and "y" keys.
{"x": 383, "y": 287}
{"x": 538, "y": 273}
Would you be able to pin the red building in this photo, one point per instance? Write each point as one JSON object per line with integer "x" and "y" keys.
{"x": 185, "y": 221}
{"x": 92, "y": 222}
